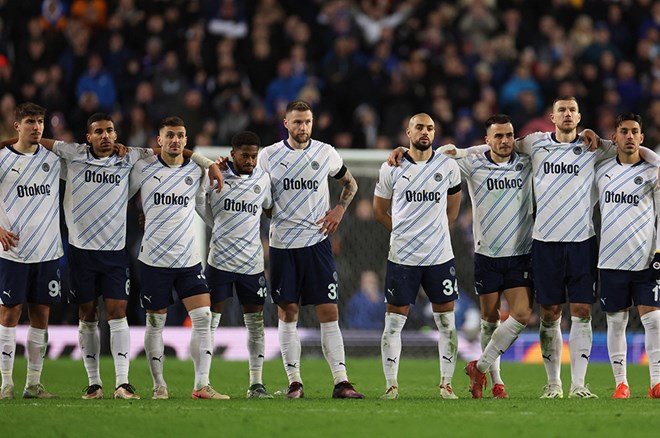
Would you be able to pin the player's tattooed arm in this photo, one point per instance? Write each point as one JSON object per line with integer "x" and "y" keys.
{"x": 330, "y": 221}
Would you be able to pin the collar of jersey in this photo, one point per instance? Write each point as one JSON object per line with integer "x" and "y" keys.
{"x": 641, "y": 160}
{"x": 410, "y": 159}
{"x": 11, "y": 148}
{"x": 489, "y": 158}
{"x": 185, "y": 161}
{"x": 96, "y": 157}
{"x": 286, "y": 143}
{"x": 554, "y": 138}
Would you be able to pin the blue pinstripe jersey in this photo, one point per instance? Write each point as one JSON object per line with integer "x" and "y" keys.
{"x": 30, "y": 207}
{"x": 501, "y": 196}
{"x": 234, "y": 214}
{"x": 628, "y": 197}
{"x": 420, "y": 228}
{"x": 96, "y": 195}
{"x": 564, "y": 187}
{"x": 168, "y": 200}
{"x": 299, "y": 184}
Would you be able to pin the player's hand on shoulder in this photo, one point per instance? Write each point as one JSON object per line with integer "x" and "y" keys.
{"x": 452, "y": 151}
{"x": 215, "y": 177}
{"x": 120, "y": 149}
{"x": 394, "y": 159}
{"x": 222, "y": 163}
{"x": 330, "y": 221}
{"x": 8, "y": 239}
{"x": 591, "y": 139}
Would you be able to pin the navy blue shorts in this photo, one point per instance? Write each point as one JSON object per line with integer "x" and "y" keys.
{"x": 250, "y": 289}
{"x": 37, "y": 283}
{"x": 621, "y": 289}
{"x": 497, "y": 274}
{"x": 157, "y": 284}
{"x": 564, "y": 267}
{"x": 95, "y": 273}
{"x": 402, "y": 283}
{"x": 305, "y": 275}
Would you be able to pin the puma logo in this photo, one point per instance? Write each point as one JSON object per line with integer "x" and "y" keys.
{"x": 4, "y": 353}
{"x": 209, "y": 353}
{"x": 16, "y": 170}
{"x": 584, "y": 356}
{"x": 286, "y": 165}
{"x": 389, "y": 359}
{"x": 405, "y": 177}
{"x": 292, "y": 365}
{"x": 157, "y": 359}
{"x": 610, "y": 178}
{"x": 91, "y": 356}
{"x": 124, "y": 355}
{"x": 546, "y": 357}
{"x": 158, "y": 178}
{"x": 448, "y": 359}
{"x": 618, "y": 362}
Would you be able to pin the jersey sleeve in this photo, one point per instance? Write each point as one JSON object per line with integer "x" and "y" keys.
{"x": 68, "y": 151}
{"x": 268, "y": 194}
{"x": 385, "y": 185}
{"x": 336, "y": 162}
{"x": 454, "y": 174}
{"x": 605, "y": 151}
{"x": 137, "y": 154}
{"x": 262, "y": 161}
{"x": 464, "y": 165}
{"x": 203, "y": 206}
{"x": 524, "y": 144}
{"x": 135, "y": 181}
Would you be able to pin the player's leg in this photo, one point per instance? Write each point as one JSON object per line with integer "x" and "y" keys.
{"x": 647, "y": 298}
{"x": 581, "y": 288}
{"x": 90, "y": 347}
{"x": 489, "y": 304}
{"x": 284, "y": 273}
{"x": 548, "y": 260}
{"x": 251, "y": 291}
{"x": 221, "y": 287}
{"x": 401, "y": 286}
{"x": 45, "y": 290}
{"x": 615, "y": 301}
{"x": 441, "y": 286}
{"x": 120, "y": 345}
{"x": 193, "y": 291}
{"x": 13, "y": 282}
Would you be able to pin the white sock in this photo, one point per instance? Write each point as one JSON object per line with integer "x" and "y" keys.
{"x": 617, "y": 347}
{"x": 37, "y": 341}
{"x": 291, "y": 349}
{"x": 7, "y": 353}
{"x": 651, "y": 322}
{"x": 551, "y": 349}
{"x": 390, "y": 347}
{"x": 120, "y": 346}
{"x": 502, "y": 338}
{"x": 154, "y": 346}
{"x": 487, "y": 329}
{"x": 447, "y": 345}
{"x": 579, "y": 344}
{"x": 256, "y": 345}
{"x": 215, "y": 322}
{"x": 200, "y": 345}
{"x": 90, "y": 348}
{"x": 332, "y": 344}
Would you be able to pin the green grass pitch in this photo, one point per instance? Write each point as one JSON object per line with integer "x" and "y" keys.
{"x": 419, "y": 412}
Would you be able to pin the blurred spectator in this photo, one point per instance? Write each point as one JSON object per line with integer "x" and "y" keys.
{"x": 227, "y": 21}
{"x": 366, "y": 308}
{"x": 96, "y": 79}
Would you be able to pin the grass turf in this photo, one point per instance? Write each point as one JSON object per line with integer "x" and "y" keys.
{"x": 418, "y": 412}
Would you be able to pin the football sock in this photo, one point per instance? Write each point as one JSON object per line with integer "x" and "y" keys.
{"x": 390, "y": 347}
{"x": 332, "y": 344}
{"x": 579, "y": 343}
{"x": 551, "y": 349}
{"x": 90, "y": 348}
{"x": 154, "y": 346}
{"x": 215, "y": 322}
{"x": 291, "y": 349}
{"x": 120, "y": 345}
{"x": 200, "y": 345}
{"x": 616, "y": 344}
{"x": 7, "y": 353}
{"x": 254, "y": 322}
{"x": 651, "y": 322}
{"x": 501, "y": 340}
{"x": 37, "y": 341}
{"x": 447, "y": 344}
{"x": 487, "y": 329}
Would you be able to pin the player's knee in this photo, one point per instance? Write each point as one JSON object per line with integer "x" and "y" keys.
{"x": 490, "y": 315}
{"x": 582, "y": 311}
{"x": 522, "y": 316}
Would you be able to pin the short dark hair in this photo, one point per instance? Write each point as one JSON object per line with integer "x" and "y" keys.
{"x": 298, "y": 105}
{"x": 564, "y": 97}
{"x": 497, "y": 119}
{"x": 98, "y": 117}
{"x": 28, "y": 109}
{"x": 628, "y": 116}
{"x": 171, "y": 121}
{"x": 245, "y": 138}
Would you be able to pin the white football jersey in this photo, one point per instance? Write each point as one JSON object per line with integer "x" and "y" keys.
{"x": 420, "y": 228}
{"x": 96, "y": 195}
{"x": 168, "y": 201}
{"x": 299, "y": 185}
{"x": 234, "y": 214}
{"x": 30, "y": 208}
{"x": 629, "y": 197}
{"x": 564, "y": 188}
{"x": 502, "y": 206}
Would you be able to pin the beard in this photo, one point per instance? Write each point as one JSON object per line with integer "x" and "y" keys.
{"x": 422, "y": 147}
